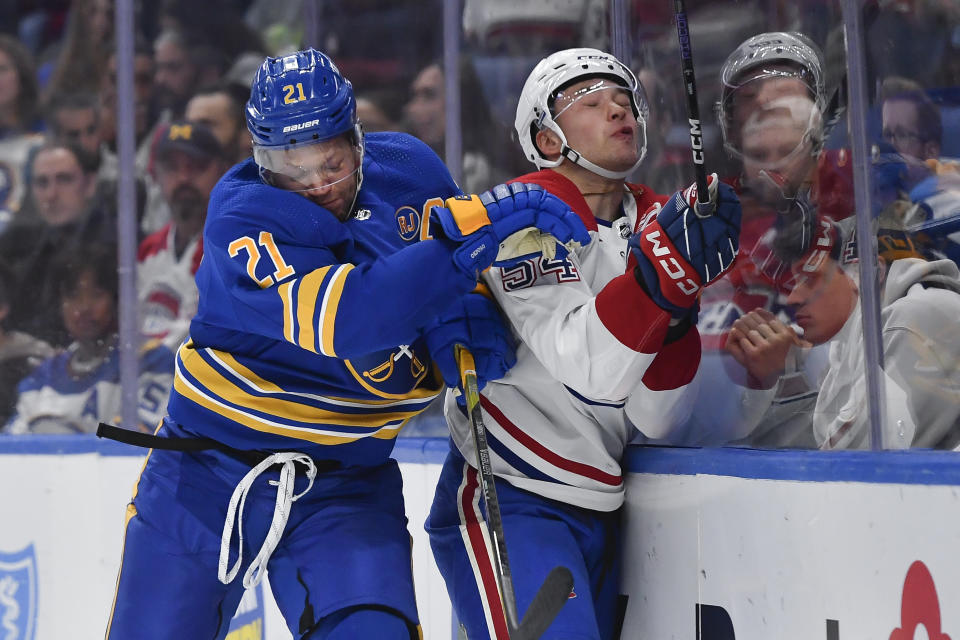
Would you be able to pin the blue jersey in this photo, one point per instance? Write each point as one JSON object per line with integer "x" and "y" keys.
{"x": 57, "y": 399}
{"x": 307, "y": 332}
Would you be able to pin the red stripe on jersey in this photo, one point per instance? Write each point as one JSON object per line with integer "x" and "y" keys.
{"x": 631, "y": 316}
{"x": 488, "y": 580}
{"x": 675, "y": 364}
{"x": 153, "y": 243}
{"x": 524, "y": 438}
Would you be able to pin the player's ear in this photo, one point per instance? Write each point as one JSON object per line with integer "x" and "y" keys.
{"x": 549, "y": 143}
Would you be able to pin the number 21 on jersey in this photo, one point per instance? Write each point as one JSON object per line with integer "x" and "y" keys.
{"x": 281, "y": 269}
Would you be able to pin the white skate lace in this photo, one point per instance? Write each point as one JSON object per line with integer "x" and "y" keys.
{"x": 281, "y": 511}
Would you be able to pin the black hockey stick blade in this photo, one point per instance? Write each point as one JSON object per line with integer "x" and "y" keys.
{"x": 548, "y": 601}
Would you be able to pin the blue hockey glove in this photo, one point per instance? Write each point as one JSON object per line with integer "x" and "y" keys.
{"x": 678, "y": 253}
{"x": 494, "y": 228}
{"x": 475, "y": 322}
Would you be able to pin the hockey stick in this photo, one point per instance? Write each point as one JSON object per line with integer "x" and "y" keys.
{"x": 553, "y": 593}
{"x": 702, "y": 209}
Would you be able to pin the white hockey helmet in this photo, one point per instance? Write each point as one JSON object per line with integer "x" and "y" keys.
{"x": 768, "y": 55}
{"x": 556, "y": 71}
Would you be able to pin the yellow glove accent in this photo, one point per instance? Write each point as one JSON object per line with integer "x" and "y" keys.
{"x": 469, "y": 213}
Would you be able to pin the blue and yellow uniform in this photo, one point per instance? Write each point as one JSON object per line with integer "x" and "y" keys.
{"x": 306, "y": 340}
{"x": 305, "y": 337}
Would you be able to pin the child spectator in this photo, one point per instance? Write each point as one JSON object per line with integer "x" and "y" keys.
{"x": 75, "y": 390}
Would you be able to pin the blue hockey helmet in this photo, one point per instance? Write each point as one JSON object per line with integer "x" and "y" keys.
{"x": 297, "y": 103}
{"x": 299, "y": 98}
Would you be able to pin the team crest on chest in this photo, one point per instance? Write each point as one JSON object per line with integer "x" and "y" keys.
{"x": 408, "y": 223}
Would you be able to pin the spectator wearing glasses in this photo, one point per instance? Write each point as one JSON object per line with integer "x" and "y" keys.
{"x": 911, "y": 121}
{"x": 926, "y": 183}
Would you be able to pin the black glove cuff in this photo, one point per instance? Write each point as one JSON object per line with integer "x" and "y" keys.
{"x": 678, "y": 330}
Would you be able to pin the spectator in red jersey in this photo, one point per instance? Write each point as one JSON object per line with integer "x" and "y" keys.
{"x": 188, "y": 163}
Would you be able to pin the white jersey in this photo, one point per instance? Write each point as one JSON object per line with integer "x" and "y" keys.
{"x": 166, "y": 286}
{"x": 14, "y": 152}
{"x": 56, "y": 398}
{"x": 921, "y": 354}
{"x": 588, "y": 373}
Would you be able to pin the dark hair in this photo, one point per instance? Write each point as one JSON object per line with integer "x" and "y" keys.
{"x": 77, "y": 100}
{"x": 87, "y": 164}
{"x": 929, "y": 123}
{"x": 99, "y": 260}
{"x": 238, "y": 96}
{"x": 26, "y": 78}
{"x": 80, "y": 63}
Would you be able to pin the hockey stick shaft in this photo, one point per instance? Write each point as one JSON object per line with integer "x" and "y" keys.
{"x": 468, "y": 380}
{"x": 555, "y": 590}
{"x": 703, "y": 208}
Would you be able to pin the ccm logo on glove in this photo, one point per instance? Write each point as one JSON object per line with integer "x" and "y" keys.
{"x": 671, "y": 262}
{"x": 671, "y": 267}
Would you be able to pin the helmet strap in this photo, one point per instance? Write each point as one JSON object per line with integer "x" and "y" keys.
{"x": 576, "y": 158}
{"x": 358, "y": 132}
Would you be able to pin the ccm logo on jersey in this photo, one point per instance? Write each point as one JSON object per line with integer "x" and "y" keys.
{"x": 301, "y": 125}
{"x": 669, "y": 263}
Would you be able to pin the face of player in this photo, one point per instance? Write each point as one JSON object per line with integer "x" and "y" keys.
{"x": 754, "y": 93}
{"x": 325, "y": 173}
{"x": 901, "y": 129}
{"x": 59, "y": 186}
{"x": 217, "y": 111}
{"x": 80, "y": 127}
{"x": 426, "y": 110}
{"x": 823, "y": 298}
{"x": 89, "y": 310}
{"x": 186, "y": 181}
{"x": 596, "y": 118}
{"x": 776, "y": 144}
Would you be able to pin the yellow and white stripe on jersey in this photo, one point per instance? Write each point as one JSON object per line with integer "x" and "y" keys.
{"x": 217, "y": 381}
{"x": 305, "y": 322}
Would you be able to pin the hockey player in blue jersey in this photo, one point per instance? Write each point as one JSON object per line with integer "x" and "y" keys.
{"x": 325, "y": 256}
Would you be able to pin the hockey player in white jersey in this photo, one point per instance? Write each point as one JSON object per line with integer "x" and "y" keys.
{"x": 607, "y": 344}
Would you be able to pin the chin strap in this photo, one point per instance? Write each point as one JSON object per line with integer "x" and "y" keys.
{"x": 577, "y": 158}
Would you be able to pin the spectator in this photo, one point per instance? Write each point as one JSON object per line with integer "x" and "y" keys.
{"x": 75, "y": 390}
{"x": 921, "y": 345}
{"x": 143, "y": 108}
{"x": 18, "y": 103}
{"x": 189, "y": 162}
{"x": 375, "y": 112}
{"x": 911, "y": 121}
{"x": 426, "y": 119}
{"x": 912, "y": 124}
{"x": 63, "y": 214}
{"x": 75, "y": 118}
{"x": 20, "y": 353}
{"x": 221, "y": 108}
{"x": 179, "y": 70}
{"x": 79, "y": 59}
